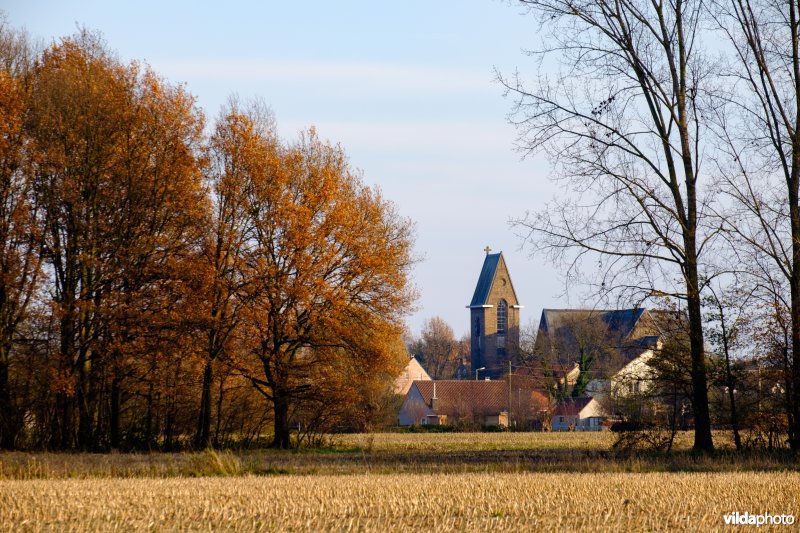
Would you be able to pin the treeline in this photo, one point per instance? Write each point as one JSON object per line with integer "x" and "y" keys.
{"x": 164, "y": 287}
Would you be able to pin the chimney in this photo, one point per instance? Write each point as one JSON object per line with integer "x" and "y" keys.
{"x": 434, "y": 399}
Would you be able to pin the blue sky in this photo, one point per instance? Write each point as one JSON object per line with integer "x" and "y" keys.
{"x": 406, "y": 87}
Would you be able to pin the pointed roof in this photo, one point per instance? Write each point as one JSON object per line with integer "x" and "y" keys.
{"x": 572, "y": 406}
{"x": 491, "y": 265}
{"x": 412, "y": 372}
{"x": 484, "y": 285}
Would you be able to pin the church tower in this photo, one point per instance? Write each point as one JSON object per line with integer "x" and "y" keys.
{"x": 494, "y": 318}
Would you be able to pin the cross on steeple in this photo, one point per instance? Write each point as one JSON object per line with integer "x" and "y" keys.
{"x": 487, "y": 250}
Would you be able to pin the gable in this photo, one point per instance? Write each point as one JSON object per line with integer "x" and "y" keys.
{"x": 490, "y": 282}
{"x": 414, "y": 407}
{"x": 412, "y": 372}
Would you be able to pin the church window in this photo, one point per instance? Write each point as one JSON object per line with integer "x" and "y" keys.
{"x": 502, "y": 317}
{"x": 477, "y": 327}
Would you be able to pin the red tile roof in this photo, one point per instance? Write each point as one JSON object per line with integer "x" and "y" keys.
{"x": 462, "y": 397}
{"x": 478, "y": 397}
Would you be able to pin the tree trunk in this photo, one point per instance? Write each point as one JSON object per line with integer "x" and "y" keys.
{"x": 219, "y": 411}
{"x": 7, "y": 415}
{"x": 202, "y": 438}
{"x": 84, "y": 412}
{"x": 148, "y": 424}
{"x": 794, "y": 402}
{"x": 731, "y": 392}
{"x": 702, "y": 421}
{"x": 281, "y": 407}
{"x": 116, "y": 406}
{"x": 65, "y": 406}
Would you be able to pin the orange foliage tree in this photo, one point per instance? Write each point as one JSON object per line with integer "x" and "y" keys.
{"x": 327, "y": 263}
{"x": 19, "y": 250}
{"x": 236, "y": 154}
{"x": 117, "y": 179}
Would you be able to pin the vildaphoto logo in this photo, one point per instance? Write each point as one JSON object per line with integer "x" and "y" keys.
{"x": 765, "y": 519}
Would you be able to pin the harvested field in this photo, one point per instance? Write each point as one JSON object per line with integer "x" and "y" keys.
{"x": 622, "y": 502}
{"x": 397, "y": 442}
{"x": 393, "y": 453}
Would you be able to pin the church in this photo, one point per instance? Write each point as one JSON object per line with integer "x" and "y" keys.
{"x": 617, "y": 338}
{"x": 616, "y": 344}
{"x": 494, "y": 319}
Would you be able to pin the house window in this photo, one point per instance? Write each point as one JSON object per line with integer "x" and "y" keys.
{"x": 502, "y": 317}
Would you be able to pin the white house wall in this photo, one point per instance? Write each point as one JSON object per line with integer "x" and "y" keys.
{"x": 635, "y": 372}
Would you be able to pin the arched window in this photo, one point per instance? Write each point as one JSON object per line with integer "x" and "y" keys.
{"x": 502, "y": 317}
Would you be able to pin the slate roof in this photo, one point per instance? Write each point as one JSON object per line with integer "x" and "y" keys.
{"x": 669, "y": 322}
{"x": 485, "y": 279}
{"x": 620, "y": 322}
{"x": 620, "y": 335}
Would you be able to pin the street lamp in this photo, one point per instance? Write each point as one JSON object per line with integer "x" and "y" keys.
{"x": 478, "y": 370}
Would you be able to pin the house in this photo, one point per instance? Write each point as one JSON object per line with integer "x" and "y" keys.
{"x": 475, "y": 403}
{"x": 412, "y": 372}
{"x": 441, "y": 402}
{"x": 610, "y": 348}
{"x": 578, "y": 414}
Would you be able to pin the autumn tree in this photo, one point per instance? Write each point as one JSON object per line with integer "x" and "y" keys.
{"x": 328, "y": 261}
{"x": 236, "y": 155}
{"x": 623, "y": 125}
{"x": 119, "y": 187}
{"x": 19, "y": 231}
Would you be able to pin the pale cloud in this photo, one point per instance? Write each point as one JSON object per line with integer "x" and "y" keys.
{"x": 444, "y": 137}
{"x": 358, "y": 75}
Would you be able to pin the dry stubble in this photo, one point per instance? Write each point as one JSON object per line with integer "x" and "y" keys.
{"x": 475, "y": 501}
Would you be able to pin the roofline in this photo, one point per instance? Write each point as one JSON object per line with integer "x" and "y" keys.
{"x": 477, "y": 306}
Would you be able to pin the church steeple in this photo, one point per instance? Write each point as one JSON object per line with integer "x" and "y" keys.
{"x": 494, "y": 317}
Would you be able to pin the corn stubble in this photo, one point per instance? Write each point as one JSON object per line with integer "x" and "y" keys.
{"x": 608, "y": 501}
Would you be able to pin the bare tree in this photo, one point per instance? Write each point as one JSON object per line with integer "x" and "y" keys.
{"x": 438, "y": 349}
{"x": 727, "y": 317}
{"x": 623, "y": 126}
{"x": 760, "y": 130}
